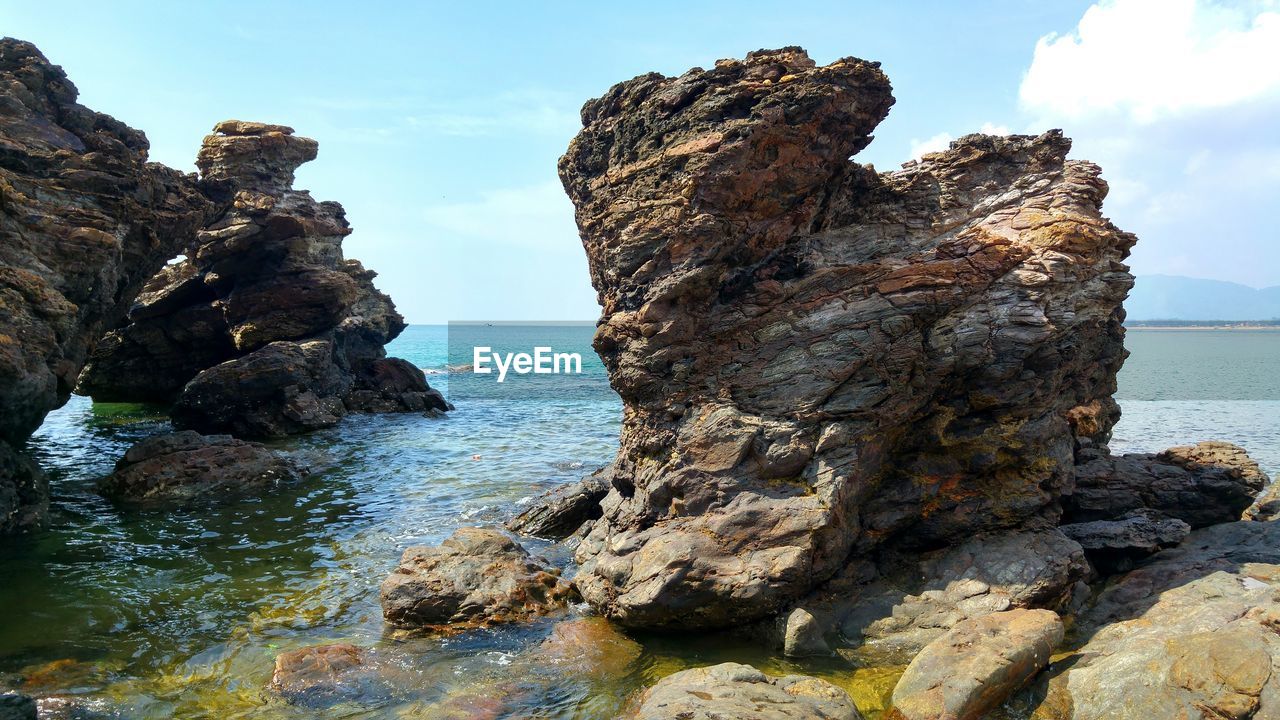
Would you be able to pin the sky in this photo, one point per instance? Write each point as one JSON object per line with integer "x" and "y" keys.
{"x": 440, "y": 123}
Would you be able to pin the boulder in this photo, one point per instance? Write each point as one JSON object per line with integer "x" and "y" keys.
{"x": 1191, "y": 633}
{"x": 1204, "y": 484}
{"x": 1114, "y": 545}
{"x": 818, "y": 360}
{"x": 802, "y": 635}
{"x": 84, "y": 221}
{"x": 321, "y": 675}
{"x": 264, "y": 328}
{"x": 476, "y": 577}
{"x": 186, "y": 466}
{"x": 562, "y": 511}
{"x": 732, "y": 690}
{"x": 976, "y": 665}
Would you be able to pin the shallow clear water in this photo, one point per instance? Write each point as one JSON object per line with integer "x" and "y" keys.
{"x": 181, "y": 613}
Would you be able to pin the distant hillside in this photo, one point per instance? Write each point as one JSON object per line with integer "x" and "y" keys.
{"x": 1171, "y": 297}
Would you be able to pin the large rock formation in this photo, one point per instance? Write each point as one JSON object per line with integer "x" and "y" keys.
{"x": 820, "y": 361}
{"x": 85, "y": 220}
{"x": 264, "y": 329}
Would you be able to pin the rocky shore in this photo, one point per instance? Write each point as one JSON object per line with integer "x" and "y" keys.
{"x": 866, "y": 414}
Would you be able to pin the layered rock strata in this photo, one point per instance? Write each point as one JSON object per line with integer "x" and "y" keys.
{"x": 264, "y": 329}
{"x": 820, "y": 361}
{"x": 85, "y": 220}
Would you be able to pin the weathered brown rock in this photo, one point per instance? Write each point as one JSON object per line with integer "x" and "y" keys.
{"x": 264, "y": 330}
{"x": 84, "y": 221}
{"x": 976, "y": 665}
{"x": 477, "y": 577}
{"x": 732, "y": 690}
{"x": 562, "y": 511}
{"x": 1192, "y": 633}
{"x": 322, "y": 675}
{"x": 818, "y": 360}
{"x": 1202, "y": 484}
{"x": 186, "y": 466}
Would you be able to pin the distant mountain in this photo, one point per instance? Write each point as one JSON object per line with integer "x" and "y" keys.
{"x": 1172, "y": 297}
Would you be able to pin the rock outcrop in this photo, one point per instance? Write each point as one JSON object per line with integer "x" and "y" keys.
{"x": 1203, "y": 484}
{"x": 85, "y": 220}
{"x": 1192, "y": 633}
{"x": 476, "y": 577}
{"x": 1113, "y": 546}
{"x": 975, "y": 666}
{"x": 732, "y": 690}
{"x": 185, "y": 467}
{"x": 264, "y": 329}
{"x": 819, "y": 360}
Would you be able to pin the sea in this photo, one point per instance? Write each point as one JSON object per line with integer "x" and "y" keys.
{"x": 180, "y": 613}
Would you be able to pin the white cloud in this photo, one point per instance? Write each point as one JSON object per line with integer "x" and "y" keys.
{"x": 942, "y": 140}
{"x": 539, "y": 215}
{"x": 1155, "y": 58}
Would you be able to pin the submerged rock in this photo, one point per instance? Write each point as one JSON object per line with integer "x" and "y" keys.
{"x": 476, "y": 577}
{"x": 732, "y": 690}
{"x": 264, "y": 329}
{"x": 1192, "y": 633}
{"x": 187, "y": 466}
{"x": 322, "y": 675}
{"x": 818, "y": 360}
{"x": 1113, "y": 545}
{"x": 1203, "y": 484}
{"x": 562, "y": 511}
{"x": 84, "y": 221}
{"x": 976, "y": 665}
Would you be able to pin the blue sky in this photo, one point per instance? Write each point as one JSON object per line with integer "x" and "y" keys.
{"x": 440, "y": 124}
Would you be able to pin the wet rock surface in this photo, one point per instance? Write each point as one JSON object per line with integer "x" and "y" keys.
{"x": 264, "y": 329}
{"x": 819, "y": 360}
{"x": 321, "y": 675}
{"x": 562, "y": 511}
{"x": 477, "y": 577}
{"x": 1191, "y": 633}
{"x": 185, "y": 467}
{"x": 976, "y": 665}
{"x": 732, "y": 690}
{"x": 14, "y": 706}
{"x": 85, "y": 220}
{"x": 1203, "y": 484}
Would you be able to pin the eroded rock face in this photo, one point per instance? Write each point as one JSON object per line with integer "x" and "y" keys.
{"x": 477, "y": 577}
{"x": 1114, "y": 545}
{"x": 186, "y": 466}
{"x": 84, "y": 221}
{"x": 732, "y": 690}
{"x": 562, "y": 511}
{"x": 1192, "y": 633}
{"x": 264, "y": 329}
{"x": 817, "y": 359}
{"x": 971, "y": 669}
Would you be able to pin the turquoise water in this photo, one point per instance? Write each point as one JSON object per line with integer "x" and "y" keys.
{"x": 181, "y": 613}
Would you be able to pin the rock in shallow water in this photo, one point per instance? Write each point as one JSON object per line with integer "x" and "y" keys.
{"x": 476, "y": 577}
{"x": 976, "y": 665}
{"x": 264, "y": 329}
{"x": 819, "y": 360}
{"x": 562, "y": 511}
{"x": 322, "y": 675}
{"x": 732, "y": 690}
{"x": 186, "y": 466}
{"x": 84, "y": 221}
